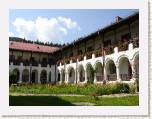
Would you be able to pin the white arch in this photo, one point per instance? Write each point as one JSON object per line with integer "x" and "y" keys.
{"x": 34, "y": 76}
{"x": 125, "y": 70}
{"x": 90, "y": 75}
{"x": 122, "y": 56}
{"x": 110, "y": 71}
{"x": 25, "y": 75}
{"x": 81, "y": 72}
{"x": 71, "y": 74}
{"x": 43, "y": 76}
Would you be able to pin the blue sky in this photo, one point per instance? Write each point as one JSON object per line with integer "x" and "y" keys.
{"x": 60, "y": 25}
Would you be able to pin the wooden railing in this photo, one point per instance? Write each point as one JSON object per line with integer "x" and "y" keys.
{"x": 109, "y": 50}
{"x": 125, "y": 77}
{"x": 122, "y": 46}
{"x": 112, "y": 77}
{"x": 100, "y": 78}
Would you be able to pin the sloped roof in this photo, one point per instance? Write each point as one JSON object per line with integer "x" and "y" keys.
{"x": 31, "y": 47}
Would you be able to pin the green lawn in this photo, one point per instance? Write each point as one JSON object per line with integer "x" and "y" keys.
{"x": 69, "y": 100}
{"x": 88, "y": 89}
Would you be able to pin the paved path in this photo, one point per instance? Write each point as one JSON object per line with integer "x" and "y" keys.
{"x": 112, "y": 95}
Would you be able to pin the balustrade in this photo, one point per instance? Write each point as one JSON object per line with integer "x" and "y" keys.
{"x": 125, "y": 77}
{"x": 112, "y": 77}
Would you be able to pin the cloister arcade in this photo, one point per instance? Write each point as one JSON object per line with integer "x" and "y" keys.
{"x": 122, "y": 66}
{"x": 119, "y": 66}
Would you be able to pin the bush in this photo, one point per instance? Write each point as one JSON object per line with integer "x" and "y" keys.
{"x": 132, "y": 88}
{"x": 113, "y": 89}
{"x": 12, "y": 79}
{"x": 87, "y": 89}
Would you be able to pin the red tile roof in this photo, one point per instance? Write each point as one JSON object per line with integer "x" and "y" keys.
{"x": 31, "y": 47}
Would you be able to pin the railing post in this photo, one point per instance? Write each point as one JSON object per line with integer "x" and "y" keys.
{"x": 85, "y": 57}
{"x": 93, "y": 56}
{"x": 116, "y": 50}
{"x": 131, "y": 46}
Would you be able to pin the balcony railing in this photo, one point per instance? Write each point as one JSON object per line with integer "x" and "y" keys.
{"x": 80, "y": 57}
{"x": 89, "y": 54}
{"x": 109, "y": 50}
{"x": 122, "y": 46}
{"x": 98, "y": 53}
{"x": 28, "y": 62}
{"x": 112, "y": 77}
{"x": 100, "y": 78}
{"x": 135, "y": 42}
{"x": 82, "y": 79}
{"x": 44, "y": 64}
{"x": 125, "y": 77}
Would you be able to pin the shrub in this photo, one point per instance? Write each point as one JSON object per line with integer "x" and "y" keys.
{"x": 132, "y": 88}
{"x": 113, "y": 89}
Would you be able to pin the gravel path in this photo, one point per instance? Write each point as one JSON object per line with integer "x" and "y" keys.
{"x": 112, "y": 95}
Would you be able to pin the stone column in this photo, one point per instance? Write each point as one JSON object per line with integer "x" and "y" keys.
{"x": 105, "y": 74}
{"x": 21, "y": 71}
{"x": 39, "y": 73}
{"x": 130, "y": 46}
{"x": 118, "y": 73}
{"x": 48, "y": 71}
{"x": 95, "y": 78}
{"x": 30, "y": 75}
{"x": 20, "y": 76}
{"x": 85, "y": 72}
{"x": 78, "y": 77}
{"x": 67, "y": 77}
{"x": 133, "y": 70}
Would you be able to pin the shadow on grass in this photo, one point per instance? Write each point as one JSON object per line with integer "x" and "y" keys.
{"x": 37, "y": 101}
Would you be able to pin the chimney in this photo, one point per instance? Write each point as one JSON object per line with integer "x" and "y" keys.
{"x": 118, "y": 19}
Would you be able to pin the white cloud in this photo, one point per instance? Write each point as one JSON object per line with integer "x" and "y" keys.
{"x": 47, "y": 30}
{"x": 11, "y": 34}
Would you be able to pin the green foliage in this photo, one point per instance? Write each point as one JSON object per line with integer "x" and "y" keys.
{"x": 90, "y": 72}
{"x": 115, "y": 89}
{"x": 12, "y": 78}
{"x": 86, "y": 89}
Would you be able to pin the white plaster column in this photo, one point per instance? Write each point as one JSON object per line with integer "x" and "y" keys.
{"x": 118, "y": 72}
{"x": 116, "y": 50}
{"x": 105, "y": 74}
{"x": 39, "y": 73}
{"x": 130, "y": 46}
{"x": 85, "y": 72}
{"x": 78, "y": 77}
{"x": 61, "y": 78}
{"x": 67, "y": 76}
{"x": 133, "y": 70}
{"x": 48, "y": 71}
{"x": 20, "y": 76}
{"x": 93, "y": 56}
{"x": 75, "y": 78}
{"x": 21, "y": 71}
{"x": 95, "y": 78}
{"x": 30, "y": 75}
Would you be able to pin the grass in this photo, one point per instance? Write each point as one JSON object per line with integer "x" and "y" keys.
{"x": 73, "y": 89}
{"x": 70, "y": 100}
